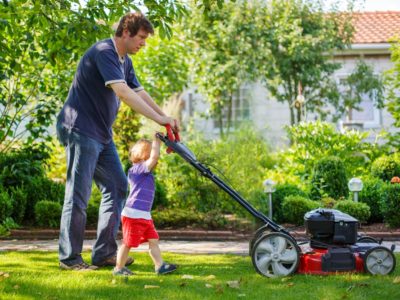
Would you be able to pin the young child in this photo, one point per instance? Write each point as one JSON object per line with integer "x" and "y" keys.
{"x": 137, "y": 224}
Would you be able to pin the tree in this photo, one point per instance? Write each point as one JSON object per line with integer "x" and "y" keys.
{"x": 362, "y": 82}
{"x": 40, "y": 45}
{"x": 302, "y": 38}
{"x": 313, "y": 141}
{"x": 289, "y": 45}
{"x": 226, "y": 49}
{"x": 392, "y": 78}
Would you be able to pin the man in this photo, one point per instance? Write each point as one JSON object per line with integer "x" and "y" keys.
{"x": 104, "y": 75}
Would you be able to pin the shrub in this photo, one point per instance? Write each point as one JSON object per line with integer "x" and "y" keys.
{"x": 48, "y": 189}
{"x": 294, "y": 208}
{"x": 9, "y": 223}
{"x": 19, "y": 167}
{"x": 185, "y": 188}
{"x": 213, "y": 220}
{"x": 4, "y": 231}
{"x": 386, "y": 167}
{"x": 160, "y": 196}
{"x": 48, "y": 213}
{"x": 328, "y": 202}
{"x": 239, "y": 159}
{"x": 178, "y": 218}
{"x": 314, "y": 140}
{"x": 358, "y": 210}
{"x": 373, "y": 194}
{"x": 281, "y": 192}
{"x": 19, "y": 197}
{"x": 329, "y": 179}
{"x": 391, "y": 205}
{"x": 56, "y": 164}
{"x": 259, "y": 199}
{"x": 5, "y": 206}
{"x": 6, "y": 225}
{"x": 45, "y": 189}
{"x": 22, "y": 175}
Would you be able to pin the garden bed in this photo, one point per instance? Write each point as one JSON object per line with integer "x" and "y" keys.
{"x": 377, "y": 230}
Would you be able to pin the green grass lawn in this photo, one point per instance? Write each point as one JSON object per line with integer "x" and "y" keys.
{"x": 35, "y": 275}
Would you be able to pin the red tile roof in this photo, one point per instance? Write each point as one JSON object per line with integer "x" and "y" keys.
{"x": 376, "y": 27}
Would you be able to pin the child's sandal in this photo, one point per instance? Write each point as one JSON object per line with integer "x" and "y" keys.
{"x": 166, "y": 268}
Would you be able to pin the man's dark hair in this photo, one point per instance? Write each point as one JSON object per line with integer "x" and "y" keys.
{"x": 134, "y": 22}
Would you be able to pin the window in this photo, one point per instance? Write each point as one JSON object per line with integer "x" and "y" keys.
{"x": 367, "y": 116}
{"x": 240, "y": 109}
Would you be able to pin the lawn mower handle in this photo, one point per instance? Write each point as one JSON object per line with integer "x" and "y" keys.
{"x": 172, "y": 141}
{"x": 172, "y": 136}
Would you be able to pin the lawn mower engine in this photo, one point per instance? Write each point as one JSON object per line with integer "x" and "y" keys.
{"x": 335, "y": 246}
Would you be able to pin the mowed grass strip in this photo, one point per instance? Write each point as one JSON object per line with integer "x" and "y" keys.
{"x": 35, "y": 275}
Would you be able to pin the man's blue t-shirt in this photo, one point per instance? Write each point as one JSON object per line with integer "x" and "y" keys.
{"x": 92, "y": 105}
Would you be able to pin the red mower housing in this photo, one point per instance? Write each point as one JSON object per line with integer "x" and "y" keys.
{"x": 311, "y": 262}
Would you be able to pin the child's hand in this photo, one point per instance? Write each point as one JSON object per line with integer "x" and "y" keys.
{"x": 156, "y": 136}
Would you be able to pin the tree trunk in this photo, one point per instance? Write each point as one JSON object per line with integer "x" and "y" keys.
{"x": 220, "y": 121}
{"x": 292, "y": 119}
{"x": 229, "y": 116}
{"x": 298, "y": 110}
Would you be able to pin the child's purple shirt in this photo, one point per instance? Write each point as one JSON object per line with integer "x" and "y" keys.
{"x": 142, "y": 188}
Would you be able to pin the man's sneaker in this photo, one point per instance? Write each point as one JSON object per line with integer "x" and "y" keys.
{"x": 166, "y": 268}
{"x": 122, "y": 272}
{"x": 112, "y": 262}
{"x": 78, "y": 267}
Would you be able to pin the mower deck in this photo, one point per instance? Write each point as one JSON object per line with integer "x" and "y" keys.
{"x": 311, "y": 262}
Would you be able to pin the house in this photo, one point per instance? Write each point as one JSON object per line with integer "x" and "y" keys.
{"x": 373, "y": 31}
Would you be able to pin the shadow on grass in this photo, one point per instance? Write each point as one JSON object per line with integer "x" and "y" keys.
{"x": 36, "y": 276}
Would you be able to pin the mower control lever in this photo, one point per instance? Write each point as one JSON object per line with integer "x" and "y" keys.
{"x": 172, "y": 136}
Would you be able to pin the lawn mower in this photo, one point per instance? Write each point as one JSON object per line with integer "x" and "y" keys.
{"x": 334, "y": 244}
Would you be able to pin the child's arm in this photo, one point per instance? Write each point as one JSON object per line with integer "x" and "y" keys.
{"x": 154, "y": 154}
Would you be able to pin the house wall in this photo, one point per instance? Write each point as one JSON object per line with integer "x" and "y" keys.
{"x": 270, "y": 116}
{"x": 380, "y": 64}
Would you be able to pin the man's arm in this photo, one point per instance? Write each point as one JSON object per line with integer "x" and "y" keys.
{"x": 149, "y": 100}
{"x": 134, "y": 101}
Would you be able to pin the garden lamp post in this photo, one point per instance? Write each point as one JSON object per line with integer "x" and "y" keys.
{"x": 355, "y": 185}
{"x": 269, "y": 188}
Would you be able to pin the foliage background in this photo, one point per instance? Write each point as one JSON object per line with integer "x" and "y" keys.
{"x": 216, "y": 45}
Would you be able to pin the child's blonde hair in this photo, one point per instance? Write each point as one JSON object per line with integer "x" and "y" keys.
{"x": 140, "y": 151}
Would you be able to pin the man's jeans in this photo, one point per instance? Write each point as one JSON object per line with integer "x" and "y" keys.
{"x": 88, "y": 159}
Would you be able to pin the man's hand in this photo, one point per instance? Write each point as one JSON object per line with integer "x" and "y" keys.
{"x": 176, "y": 128}
{"x": 172, "y": 122}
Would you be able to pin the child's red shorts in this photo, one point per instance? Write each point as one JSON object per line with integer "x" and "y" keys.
{"x": 137, "y": 231}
